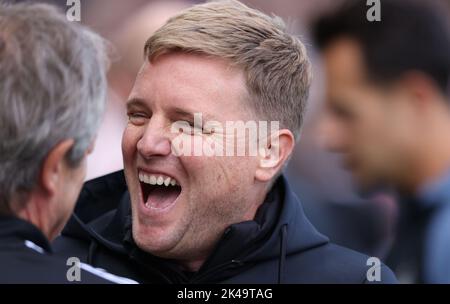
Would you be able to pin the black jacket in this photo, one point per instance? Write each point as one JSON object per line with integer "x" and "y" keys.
{"x": 279, "y": 246}
{"x": 26, "y": 257}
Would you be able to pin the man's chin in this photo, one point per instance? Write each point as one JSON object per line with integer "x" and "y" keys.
{"x": 153, "y": 240}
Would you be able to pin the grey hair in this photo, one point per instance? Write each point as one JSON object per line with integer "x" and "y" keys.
{"x": 52, "y": 88}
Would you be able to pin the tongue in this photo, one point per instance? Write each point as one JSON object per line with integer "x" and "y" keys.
{"x": 162, "y": 197}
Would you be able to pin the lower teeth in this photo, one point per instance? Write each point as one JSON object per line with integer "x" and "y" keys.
{"x": 149, "y": 206}
{"x": 159, "y": 198}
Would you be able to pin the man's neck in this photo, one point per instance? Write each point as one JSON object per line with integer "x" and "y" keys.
{"x": 31, "y": 213}
{"x": 434, "y": 160}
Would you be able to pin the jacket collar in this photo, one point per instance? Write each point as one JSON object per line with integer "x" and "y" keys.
{"x": 13, "y": 229}
{"x": 435, "y": 192}
{"x": 280, "y": 228}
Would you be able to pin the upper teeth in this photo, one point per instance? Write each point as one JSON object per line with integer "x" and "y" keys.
{"x": 157, "y": 179}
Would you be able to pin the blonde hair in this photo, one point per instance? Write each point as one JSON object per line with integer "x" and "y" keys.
{"x": 276, "y": 65}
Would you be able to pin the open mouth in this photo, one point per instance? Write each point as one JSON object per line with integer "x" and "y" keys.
{"x": 159, "y": 191}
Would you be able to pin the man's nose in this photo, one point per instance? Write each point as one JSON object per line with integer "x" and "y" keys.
{"x": 155, "y": 140}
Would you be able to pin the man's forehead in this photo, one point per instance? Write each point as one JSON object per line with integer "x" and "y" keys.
{"x": 191, "y": 83}
{"x": 344, "y": 60}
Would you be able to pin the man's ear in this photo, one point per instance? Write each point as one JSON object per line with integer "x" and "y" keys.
{"x": 274, "y": 155}
{"x": 54, "y": 166}
{"x": 91, "y": 146}
{"x": 421, "y": 88}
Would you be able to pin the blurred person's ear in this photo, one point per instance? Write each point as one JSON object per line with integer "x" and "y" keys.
{"x": 54, "y": 167}
{"x": 274, "y": 155}
{"x": 421, "y": 89}
{"x": 91, "y": 147}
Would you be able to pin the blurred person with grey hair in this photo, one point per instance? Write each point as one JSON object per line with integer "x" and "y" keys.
{"x": 52, "y": 94}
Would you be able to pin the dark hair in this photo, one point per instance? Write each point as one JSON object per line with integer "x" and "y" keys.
{"x": 410, "y": 36}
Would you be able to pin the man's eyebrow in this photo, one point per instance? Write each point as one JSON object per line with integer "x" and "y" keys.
{"x": 335, "y": 105}
{"x": 135, "y": 101}
{"x": 187, "y": 114}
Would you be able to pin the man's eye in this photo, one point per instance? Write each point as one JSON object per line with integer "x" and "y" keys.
{"x": 137, "y": 118}
{"x": 196, "y": 129}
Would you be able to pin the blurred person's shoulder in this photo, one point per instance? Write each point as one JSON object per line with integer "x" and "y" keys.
{"x": 27, "y": 257}
{"x": 28, "y": 264}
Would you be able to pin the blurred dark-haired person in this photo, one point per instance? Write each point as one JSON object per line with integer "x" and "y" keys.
{"x": 388, "y": 112}
{"x": 175, "y": 217}
{"x": 52, "y": 92}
